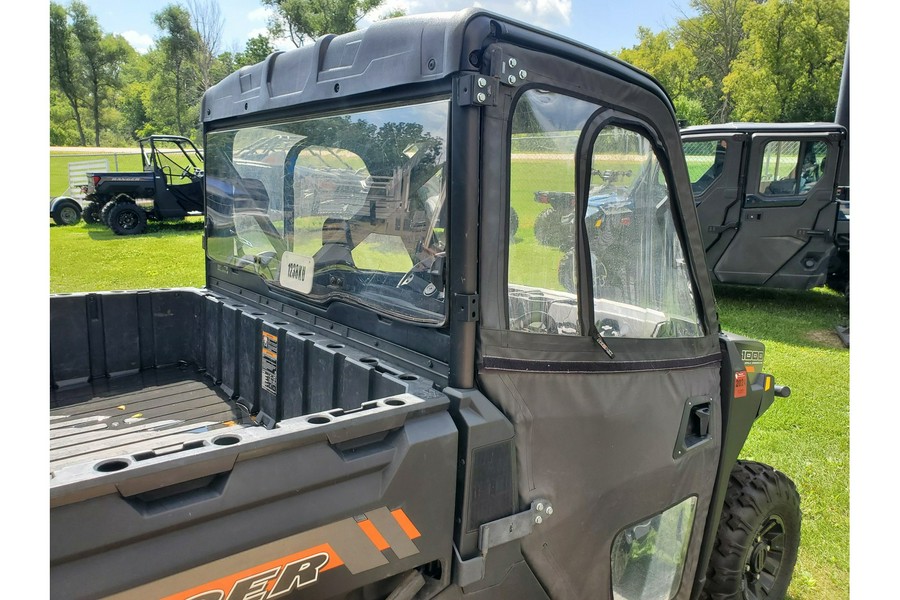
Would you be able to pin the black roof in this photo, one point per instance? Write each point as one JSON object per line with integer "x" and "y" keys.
{"x": 763, "y": 128}
{"x": 415, "y": 49}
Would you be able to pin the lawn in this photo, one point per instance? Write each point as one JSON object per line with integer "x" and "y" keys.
{"x": 806, "y": 435}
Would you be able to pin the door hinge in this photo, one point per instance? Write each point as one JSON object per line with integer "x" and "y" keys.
{"x": 499, "y": 532}
{"x": 466, "y": 307}
{"x": 475, "y": 89}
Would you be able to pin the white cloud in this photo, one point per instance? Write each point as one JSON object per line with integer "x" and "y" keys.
{"x": 139, "y": 41}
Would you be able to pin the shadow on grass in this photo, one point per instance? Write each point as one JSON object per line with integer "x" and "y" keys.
{"x": 802, "y": 318}
{"x": 155, "y": 229}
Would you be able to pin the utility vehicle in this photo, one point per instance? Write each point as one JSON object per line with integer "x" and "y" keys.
{"x": 169, "y": 187}
{"x": 768, "y": 203}
{"x": 382, "y": 394}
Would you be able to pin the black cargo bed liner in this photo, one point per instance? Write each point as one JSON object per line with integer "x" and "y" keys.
{"x": 141, "y": 412}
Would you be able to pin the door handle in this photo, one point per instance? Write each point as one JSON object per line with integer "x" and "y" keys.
{"x": 695, "y": 429}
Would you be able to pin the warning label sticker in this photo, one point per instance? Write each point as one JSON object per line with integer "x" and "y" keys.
{"x": 740, "y": 384}
{"x": 269, "y": 361}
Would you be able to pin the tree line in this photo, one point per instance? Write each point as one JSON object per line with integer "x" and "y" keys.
{"x": 749, "y": 60}
{"x": 104, "y": 93}
{"x": 735, "y": 60}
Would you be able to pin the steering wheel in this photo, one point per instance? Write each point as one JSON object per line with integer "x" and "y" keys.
{"x": 186, "y": 173}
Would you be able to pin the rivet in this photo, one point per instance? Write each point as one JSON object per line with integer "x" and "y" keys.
{"x": 538, "y": 519}
{"x": 549, "y": 510}
{"x": 540, "y": 506}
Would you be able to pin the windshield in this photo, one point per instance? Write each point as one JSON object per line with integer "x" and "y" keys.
{"x": 342, "y": 207}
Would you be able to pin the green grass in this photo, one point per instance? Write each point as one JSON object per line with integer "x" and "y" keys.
{"x": 806, "y": 435}
{"x": 87, "y": 258}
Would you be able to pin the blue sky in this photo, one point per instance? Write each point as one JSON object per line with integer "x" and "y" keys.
{"x": 606, "y": 25}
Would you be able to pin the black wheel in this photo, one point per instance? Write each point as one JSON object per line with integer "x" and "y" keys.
{"x": 104, "y": 212}
{"x": 758, "y": 538}
{"x": 551, "y": 230}
{"x": 91, "y": 212}
{"x": 513, "y": 223}
{"x": 66, "y": 212}
{"x": 127, "y": 218}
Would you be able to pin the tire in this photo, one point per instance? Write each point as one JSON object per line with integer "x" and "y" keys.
{"x": 104, "y": 212}
{"x": 66, "y": 212}
{"x": 91, "y": 212}
{"x": 127, "y": 218}
{"x": 758, "y": 538}
{"x": 549, "y": 230}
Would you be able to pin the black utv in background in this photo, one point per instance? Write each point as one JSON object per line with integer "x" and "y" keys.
{"x": 169, "y": 187}
{"x": 768, "y": 203}
{"x": 380, "y": 392}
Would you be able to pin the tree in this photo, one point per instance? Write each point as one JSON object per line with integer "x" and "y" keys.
{"x": 714, "y": 37}
{"x": 671, "y": 62}
{"x": 63, "y": 69}
{"x": 101, "y": 58}
{"x": 789, "y": 67}
{"x": 207, "y": 21}
{"x": 179, "y": 46}
{"x": 303, "y": 20}
{"x": 257, "y": 49}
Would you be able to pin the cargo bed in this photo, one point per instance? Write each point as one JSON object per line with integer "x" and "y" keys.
{"x": 193, "y": 426}
{"x": 137, "y": 414}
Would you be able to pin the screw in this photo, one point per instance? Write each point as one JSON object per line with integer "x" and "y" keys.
{"x": 538, "y": 519}
{"x": 511, "y": 79}
{"x": 768, "y": 547}
{"x": 482, "y": 82}
{"x": 540, "y": 506}
{"x": 747, "y": 568}
{"x": 512, "y": 62}
{"x": 549, "y": 510}
{"x": 481, "y": 97}
{"x": 523, "y": 74}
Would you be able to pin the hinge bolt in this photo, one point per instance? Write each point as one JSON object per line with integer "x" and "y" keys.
{"x": 549, "y": 510}
{"x": 511, "y": 80}
{"x": 482, "y": 82}
{"x": 540, "y": 507}
{"x": 481, "y": 97}
{"x": 513, "y": 62}
{"x": 538, "y": 519}
{"x": 523, "y": 74}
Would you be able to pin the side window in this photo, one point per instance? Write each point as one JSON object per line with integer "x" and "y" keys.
{"x": 705, "y": 161}
{"x": 641, "y": 285}
{"x": 791, "y": 167}
{"x": 545, "y": 131}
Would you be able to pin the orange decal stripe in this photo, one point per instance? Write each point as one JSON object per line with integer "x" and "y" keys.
{"x": 406, "y": 524}
{"x": 750, "y": 369}
{"x": 227, "y": 582}
{"x": 374, "y": 535}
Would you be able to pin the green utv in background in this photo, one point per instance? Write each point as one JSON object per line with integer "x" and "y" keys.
{"x": 382, "y": 391}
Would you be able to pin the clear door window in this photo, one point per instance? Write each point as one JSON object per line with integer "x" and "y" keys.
{"x": 791, "y": 167}
{"x": 642, "y": 287}
{"x": 545, "y": 131}
{"x": 705, "y": 161}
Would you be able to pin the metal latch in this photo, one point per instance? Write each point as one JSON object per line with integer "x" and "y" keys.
{"x": 499, "y": 532}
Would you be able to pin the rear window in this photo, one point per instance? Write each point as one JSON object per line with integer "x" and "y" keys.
{"x": 347, "y": 207}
